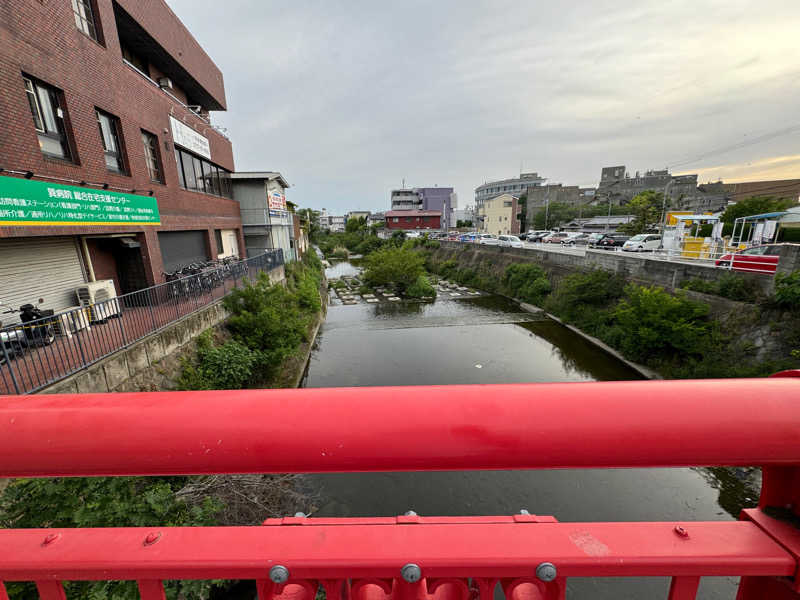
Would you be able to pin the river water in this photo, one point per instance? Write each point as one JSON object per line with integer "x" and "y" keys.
{"x": 491, "y": 340}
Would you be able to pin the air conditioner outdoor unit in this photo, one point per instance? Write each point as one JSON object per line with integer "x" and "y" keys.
{"x": 100, "y": 297}
{"x": 165, "y": 82}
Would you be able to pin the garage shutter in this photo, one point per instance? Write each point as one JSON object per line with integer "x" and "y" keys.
{"x": 33, "y": 268}
{"x": 180, "y": 248}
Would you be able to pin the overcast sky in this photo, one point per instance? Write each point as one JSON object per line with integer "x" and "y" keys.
{"x": 347, "y": 99}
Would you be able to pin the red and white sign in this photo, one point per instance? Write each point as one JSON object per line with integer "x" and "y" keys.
{"x": 277, "y": 201}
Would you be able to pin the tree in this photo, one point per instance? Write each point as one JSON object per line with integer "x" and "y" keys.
{"x": 312, "y": 216}
{"x": 646, "y": 210}
{"x": 400, "y": 267}
{"x": 755, "y": 205}
{"x": 356, "y": 225}
{"x": 460, "y": 224}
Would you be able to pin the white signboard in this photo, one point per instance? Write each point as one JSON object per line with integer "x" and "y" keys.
{"x": 188, "y": 138}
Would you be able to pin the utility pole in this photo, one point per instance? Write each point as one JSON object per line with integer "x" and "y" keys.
{"x": 546, "y": 206}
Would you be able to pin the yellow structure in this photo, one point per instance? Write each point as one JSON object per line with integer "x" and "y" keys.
{"x": 500, "y": 215}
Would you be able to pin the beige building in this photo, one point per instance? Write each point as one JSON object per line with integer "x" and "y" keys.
{"x": 499, "y": 215}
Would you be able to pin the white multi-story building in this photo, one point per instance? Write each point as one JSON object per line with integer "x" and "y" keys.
{"x": 337, "y": 223}
{"x": 516, "y": 187}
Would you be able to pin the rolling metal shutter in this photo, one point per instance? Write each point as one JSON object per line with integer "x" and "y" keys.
{"x": 33, "y": 268}
{"x": 181, "y": 248}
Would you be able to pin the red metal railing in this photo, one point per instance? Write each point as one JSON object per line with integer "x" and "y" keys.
{"x": 526, "y": 426}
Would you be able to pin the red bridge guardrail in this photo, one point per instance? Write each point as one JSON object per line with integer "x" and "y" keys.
{"x": 520, "y": 426}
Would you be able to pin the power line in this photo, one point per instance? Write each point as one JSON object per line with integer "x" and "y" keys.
{"x": 743, "y": 144}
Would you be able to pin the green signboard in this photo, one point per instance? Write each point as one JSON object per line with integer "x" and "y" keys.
{"x": 24, "y": 203}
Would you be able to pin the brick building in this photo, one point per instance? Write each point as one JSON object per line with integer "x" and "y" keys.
{"x": 407, "y": 220}
{"x": 111, "y": 166}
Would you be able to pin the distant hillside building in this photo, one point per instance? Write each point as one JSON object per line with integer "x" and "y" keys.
{"x": 516, "y": 187}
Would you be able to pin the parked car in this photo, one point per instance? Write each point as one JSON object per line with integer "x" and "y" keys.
{"x": 581, "y": 239}
{"x": 487, "y": 239}
{"x": 644, "y": 242}
{"x": 536, "y": 235}
{"x": 758, "y": 259}
{"x": 412, "y": 234}
{"x": 555, "y": 238}
{"x": 509, "y": 241}
{"x": 453, "y": 237}
{"x": 469, "y": 238}
{"x": 609, "y": 241}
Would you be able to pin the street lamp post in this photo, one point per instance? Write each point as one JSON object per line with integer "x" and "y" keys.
{"x": 664, "y": 213}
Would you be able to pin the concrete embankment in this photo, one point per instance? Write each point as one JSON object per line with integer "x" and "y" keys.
{"x": 636, "y": 268}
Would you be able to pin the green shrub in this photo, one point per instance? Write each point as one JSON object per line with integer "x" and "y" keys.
{"x": 226, "y": 367}
{"x": 399, "y": 267}
{"x": 340, "y": 253}
{"x": 527, "y": 282}
{"x": 583, "y": 298}
{"x": 266, "y": 318}
{"x": 69, "y": 502}
{"x": 699, "y": 285}
{"x": 650, "y": 325}
{"x": 421, "y": 288}
{"x": 787, "y": 289}
{"x": 729, "y": 285}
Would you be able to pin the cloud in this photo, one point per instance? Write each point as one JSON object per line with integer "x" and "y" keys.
{"x": 776, "y": 167}
{"x": 348, "y": 98}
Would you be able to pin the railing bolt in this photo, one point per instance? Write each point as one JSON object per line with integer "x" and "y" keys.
{"x": 50, "y": 538}
{"x": 151, "y": 538}
{"x": 411, "y": 573}
{"x": 300, "y": 514}
{"x": 524, "y": 511}
{"x": 546, "y": 571}
{"x": 409, "y": 513}
{"x": 279, "y": 574}
{"x": 681, "y": 531}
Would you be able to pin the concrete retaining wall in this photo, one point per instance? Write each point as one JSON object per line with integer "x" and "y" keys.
{"x": 642, "y": 270}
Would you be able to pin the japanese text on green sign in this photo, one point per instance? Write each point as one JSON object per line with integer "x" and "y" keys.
{"x": 24, "y": 202}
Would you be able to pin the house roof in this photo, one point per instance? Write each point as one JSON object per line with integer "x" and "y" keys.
{"x": 413, "y": 213}
{"x": 268, "y": 175}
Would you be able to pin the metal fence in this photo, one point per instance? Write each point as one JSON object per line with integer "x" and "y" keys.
{"x": 38, "y": 353}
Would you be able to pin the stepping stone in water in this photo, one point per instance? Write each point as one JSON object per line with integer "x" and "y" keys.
{"x": 372, "y": 300}
{"x": 394, "y": 299}
{"x": 349, "y": 302}
{"x": 365, "y": 296}
{"x": 454, "y": 294}
{"x": 462, "y": 289}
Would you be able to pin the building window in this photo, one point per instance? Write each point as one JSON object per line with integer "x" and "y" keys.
{"x": 218, "y": 238}
{"x": 135, "y": 60}
{"x": 49, "y": 118}
{"x": 152, "y": 158}
{"x": 85, "y": 18}
{"x": 198, "y": 175}
{"x": 111, "y": 137}
{"x": 395, "y": 220}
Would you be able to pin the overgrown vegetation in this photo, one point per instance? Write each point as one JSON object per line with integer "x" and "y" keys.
{"x": 399, "y": 268}
{"x": 729, "y": 285}
{"x": 787, "y": 290}
{"x": 527, "y": 282}
{"x": 268, "y": 323}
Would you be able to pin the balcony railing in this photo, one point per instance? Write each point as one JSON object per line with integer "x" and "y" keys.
{"x": 38, "y": 353}
{"x": 410, "y": 557}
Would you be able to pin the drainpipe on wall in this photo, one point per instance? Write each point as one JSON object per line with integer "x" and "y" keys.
{"x": 87, "y": 259}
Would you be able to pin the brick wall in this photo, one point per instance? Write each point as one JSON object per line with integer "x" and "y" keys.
{"x": 41, "y": 40}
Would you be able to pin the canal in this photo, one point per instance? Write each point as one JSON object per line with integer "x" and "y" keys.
{"x": 489, "y": 339}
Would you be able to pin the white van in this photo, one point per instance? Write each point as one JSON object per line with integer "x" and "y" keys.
{"x": 644, "y": 242}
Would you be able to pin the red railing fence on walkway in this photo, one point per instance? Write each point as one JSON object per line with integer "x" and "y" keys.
{"x": 411, "y": 557}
